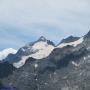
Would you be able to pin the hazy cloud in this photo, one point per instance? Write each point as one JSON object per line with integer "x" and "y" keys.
{"x": 22, "y": 21}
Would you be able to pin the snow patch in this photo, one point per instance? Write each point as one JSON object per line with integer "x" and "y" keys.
{"x": 43, "y": 49}
{"x": 88, "y": 56}
{"x": 21, "y": 62}
{"x": 23, "y": 49}
{"x": 84, "y": 58}
{"x": 6, "y": 52}
{"x": 75, "y": 64}
{"x": 45, "y": 83}
{"x": 36, "y": 65}
{"x": 75, "y": 43}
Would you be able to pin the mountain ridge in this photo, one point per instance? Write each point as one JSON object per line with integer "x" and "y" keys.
{"x": 65, "y": 68}
{"x": 43, "y": 45}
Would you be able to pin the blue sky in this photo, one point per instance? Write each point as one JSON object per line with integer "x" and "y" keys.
{"x": 23, "y": 21}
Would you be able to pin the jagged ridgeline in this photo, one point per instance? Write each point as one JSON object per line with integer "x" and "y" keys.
{"x": 42, "y": 65}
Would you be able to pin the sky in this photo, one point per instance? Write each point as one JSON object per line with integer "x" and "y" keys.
{"x": 23, "y": 21}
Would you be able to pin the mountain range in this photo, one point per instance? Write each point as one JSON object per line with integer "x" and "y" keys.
{"x": 42, "y": 65}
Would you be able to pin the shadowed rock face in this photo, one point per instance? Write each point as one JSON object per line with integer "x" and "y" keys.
{"x": 6, "y": 69}
{"x": 70, "y": 39}
{"x": 55, "y": 72}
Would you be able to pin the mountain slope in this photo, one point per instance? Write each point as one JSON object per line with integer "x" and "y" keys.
{"x": 38, "y": 50}
{"x": 65, "y": 68}
{"x": 6, "y": 69}
{"x": 56, "y": 72}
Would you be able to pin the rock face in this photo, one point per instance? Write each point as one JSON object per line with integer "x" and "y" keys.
{"x": 70, "y": 39}
{"x": 66, "y": 68}
{"x": 6, "y": 69}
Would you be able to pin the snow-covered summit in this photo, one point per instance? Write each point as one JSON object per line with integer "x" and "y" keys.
{"x": 33, "y": 47}
{"x": 6, "y": 52}
{"x": 38, "y": 50}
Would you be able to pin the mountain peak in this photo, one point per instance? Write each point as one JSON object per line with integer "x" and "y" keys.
{"x": 71, "y": 36}
{"x": 42, "y": 38}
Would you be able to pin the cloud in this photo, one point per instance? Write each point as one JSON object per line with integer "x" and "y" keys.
{"x": 22, "y": 21}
